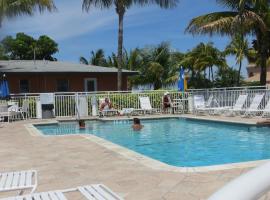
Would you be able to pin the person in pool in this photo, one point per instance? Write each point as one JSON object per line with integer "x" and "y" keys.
{"x": 137, "y": 124}
{"x": 82, "y": 124}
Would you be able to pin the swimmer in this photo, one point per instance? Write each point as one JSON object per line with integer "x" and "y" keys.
{"x": 137, "y": 124}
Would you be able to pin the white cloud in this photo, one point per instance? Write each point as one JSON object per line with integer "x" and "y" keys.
{"x": 68, "y": 22}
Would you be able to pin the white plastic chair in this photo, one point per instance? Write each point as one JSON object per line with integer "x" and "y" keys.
{"x": 145, "y": 104}
{"x": 10, "y": 112}
{"x": 199, "y": 104}
{"x": 238, "y": 106}
{"x": 89, "y": 192}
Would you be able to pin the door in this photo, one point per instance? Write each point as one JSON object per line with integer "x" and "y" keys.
{"x": 90, "y": 84}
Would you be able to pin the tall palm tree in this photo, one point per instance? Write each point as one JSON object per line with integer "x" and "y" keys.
{"x": 244, "y": 17}
{"x": 97, "y": 58}
{"x": 238, "y": 47}
{"x": 14, "y": 8}
{"x": 121, "y": 6}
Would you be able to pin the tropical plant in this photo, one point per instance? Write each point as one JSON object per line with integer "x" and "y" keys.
{"x": 157, "y": 65}
{"x": 227, "y": 77}
{"x": 121, "y": 7}
{"x": 202, "y": 58}
{"x": 97, "y": 58}
{"x": 243, "y": 17}
{"x": 2, "y": 53}
{"x": 25, "y": 47}
{"x": 238, "y": 47}
{"x": 14, "y": 8}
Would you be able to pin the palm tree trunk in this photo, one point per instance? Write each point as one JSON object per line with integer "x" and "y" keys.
{"x": 263, "y": 69}
{"x": 212, "y": 73}
{"x": 239, "y": 73}
{"x": 121, "y": 11}
{"x": 263, "y": 56}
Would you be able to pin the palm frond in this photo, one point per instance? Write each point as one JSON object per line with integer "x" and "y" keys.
{"x": 102, "y": 4}
{"x": 84, "y": 61}
{"x": 161, "y": 3}
{"x": 218, "y": 22}
{"x": 13, "y": 8}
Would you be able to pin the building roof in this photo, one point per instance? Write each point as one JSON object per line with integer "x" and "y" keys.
{"x": 40, "y": 66}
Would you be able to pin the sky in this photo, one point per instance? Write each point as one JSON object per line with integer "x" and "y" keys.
{"x": 78, "y": 33}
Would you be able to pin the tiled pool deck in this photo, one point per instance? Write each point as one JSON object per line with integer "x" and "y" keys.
{"x": 69, "y": 161}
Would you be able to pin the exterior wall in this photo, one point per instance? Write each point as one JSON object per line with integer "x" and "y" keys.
{"x": 254, "y": 72}
{"x": 47, "y": 82}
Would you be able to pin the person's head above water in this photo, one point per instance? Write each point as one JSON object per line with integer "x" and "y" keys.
{"x": 136, "y": 121}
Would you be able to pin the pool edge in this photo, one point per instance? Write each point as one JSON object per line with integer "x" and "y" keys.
{"x": 145, "y": 160}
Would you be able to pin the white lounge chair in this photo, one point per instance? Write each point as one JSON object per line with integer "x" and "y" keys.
{"x": 238, "y": 106}
{"x": 201, "y": 107}
{"x": 266, "y": 110}
{"x": 127, "y": 111}
{"x": 198, "y": 104}
{"x": 254, "y": 106}
{"x": 89, "y": 192}
{"x": 146, "y": 105}
{"x": 18, "y": 180}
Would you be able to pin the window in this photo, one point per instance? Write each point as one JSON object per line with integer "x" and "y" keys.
{"x": 250, "y": 74}
{"x": 24, "y": 86}
{"x": 90, "y": 84}
{"x": 62, "y": 86}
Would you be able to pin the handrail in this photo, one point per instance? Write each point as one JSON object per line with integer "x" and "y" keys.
{"x": 230, "y": 88}
{"x": 249, "y": 186}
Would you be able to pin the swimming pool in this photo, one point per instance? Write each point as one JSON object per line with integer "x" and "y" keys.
{"x": 179, "y": 142}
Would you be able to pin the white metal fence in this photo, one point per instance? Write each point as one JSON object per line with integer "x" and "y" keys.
{"x": 65, "y": 103}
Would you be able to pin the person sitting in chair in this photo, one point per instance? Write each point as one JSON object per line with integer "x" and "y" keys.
{"x": 167, "y": 103}
{"x": 106, "y": 105}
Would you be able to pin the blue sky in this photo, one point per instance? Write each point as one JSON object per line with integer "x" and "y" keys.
{"x": 78, "y": 33}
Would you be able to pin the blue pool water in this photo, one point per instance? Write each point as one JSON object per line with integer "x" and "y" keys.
{"x": 180, "y": 142}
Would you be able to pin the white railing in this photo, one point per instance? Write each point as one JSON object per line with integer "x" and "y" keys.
{"x": 65, "y": 103}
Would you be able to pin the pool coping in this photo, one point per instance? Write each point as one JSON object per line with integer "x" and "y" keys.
{"x": 145, "y": 160}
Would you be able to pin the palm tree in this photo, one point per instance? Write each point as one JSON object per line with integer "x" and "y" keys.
{"x": 203, "y": 57}
{"x": 238, "y": 47}
{"x": 243, "y": 17}
{"x": 121, "y": 6}
{"x": 155, "y": 65}
{"x": 97, "y": 58}
{"x": 14, "y": 8}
